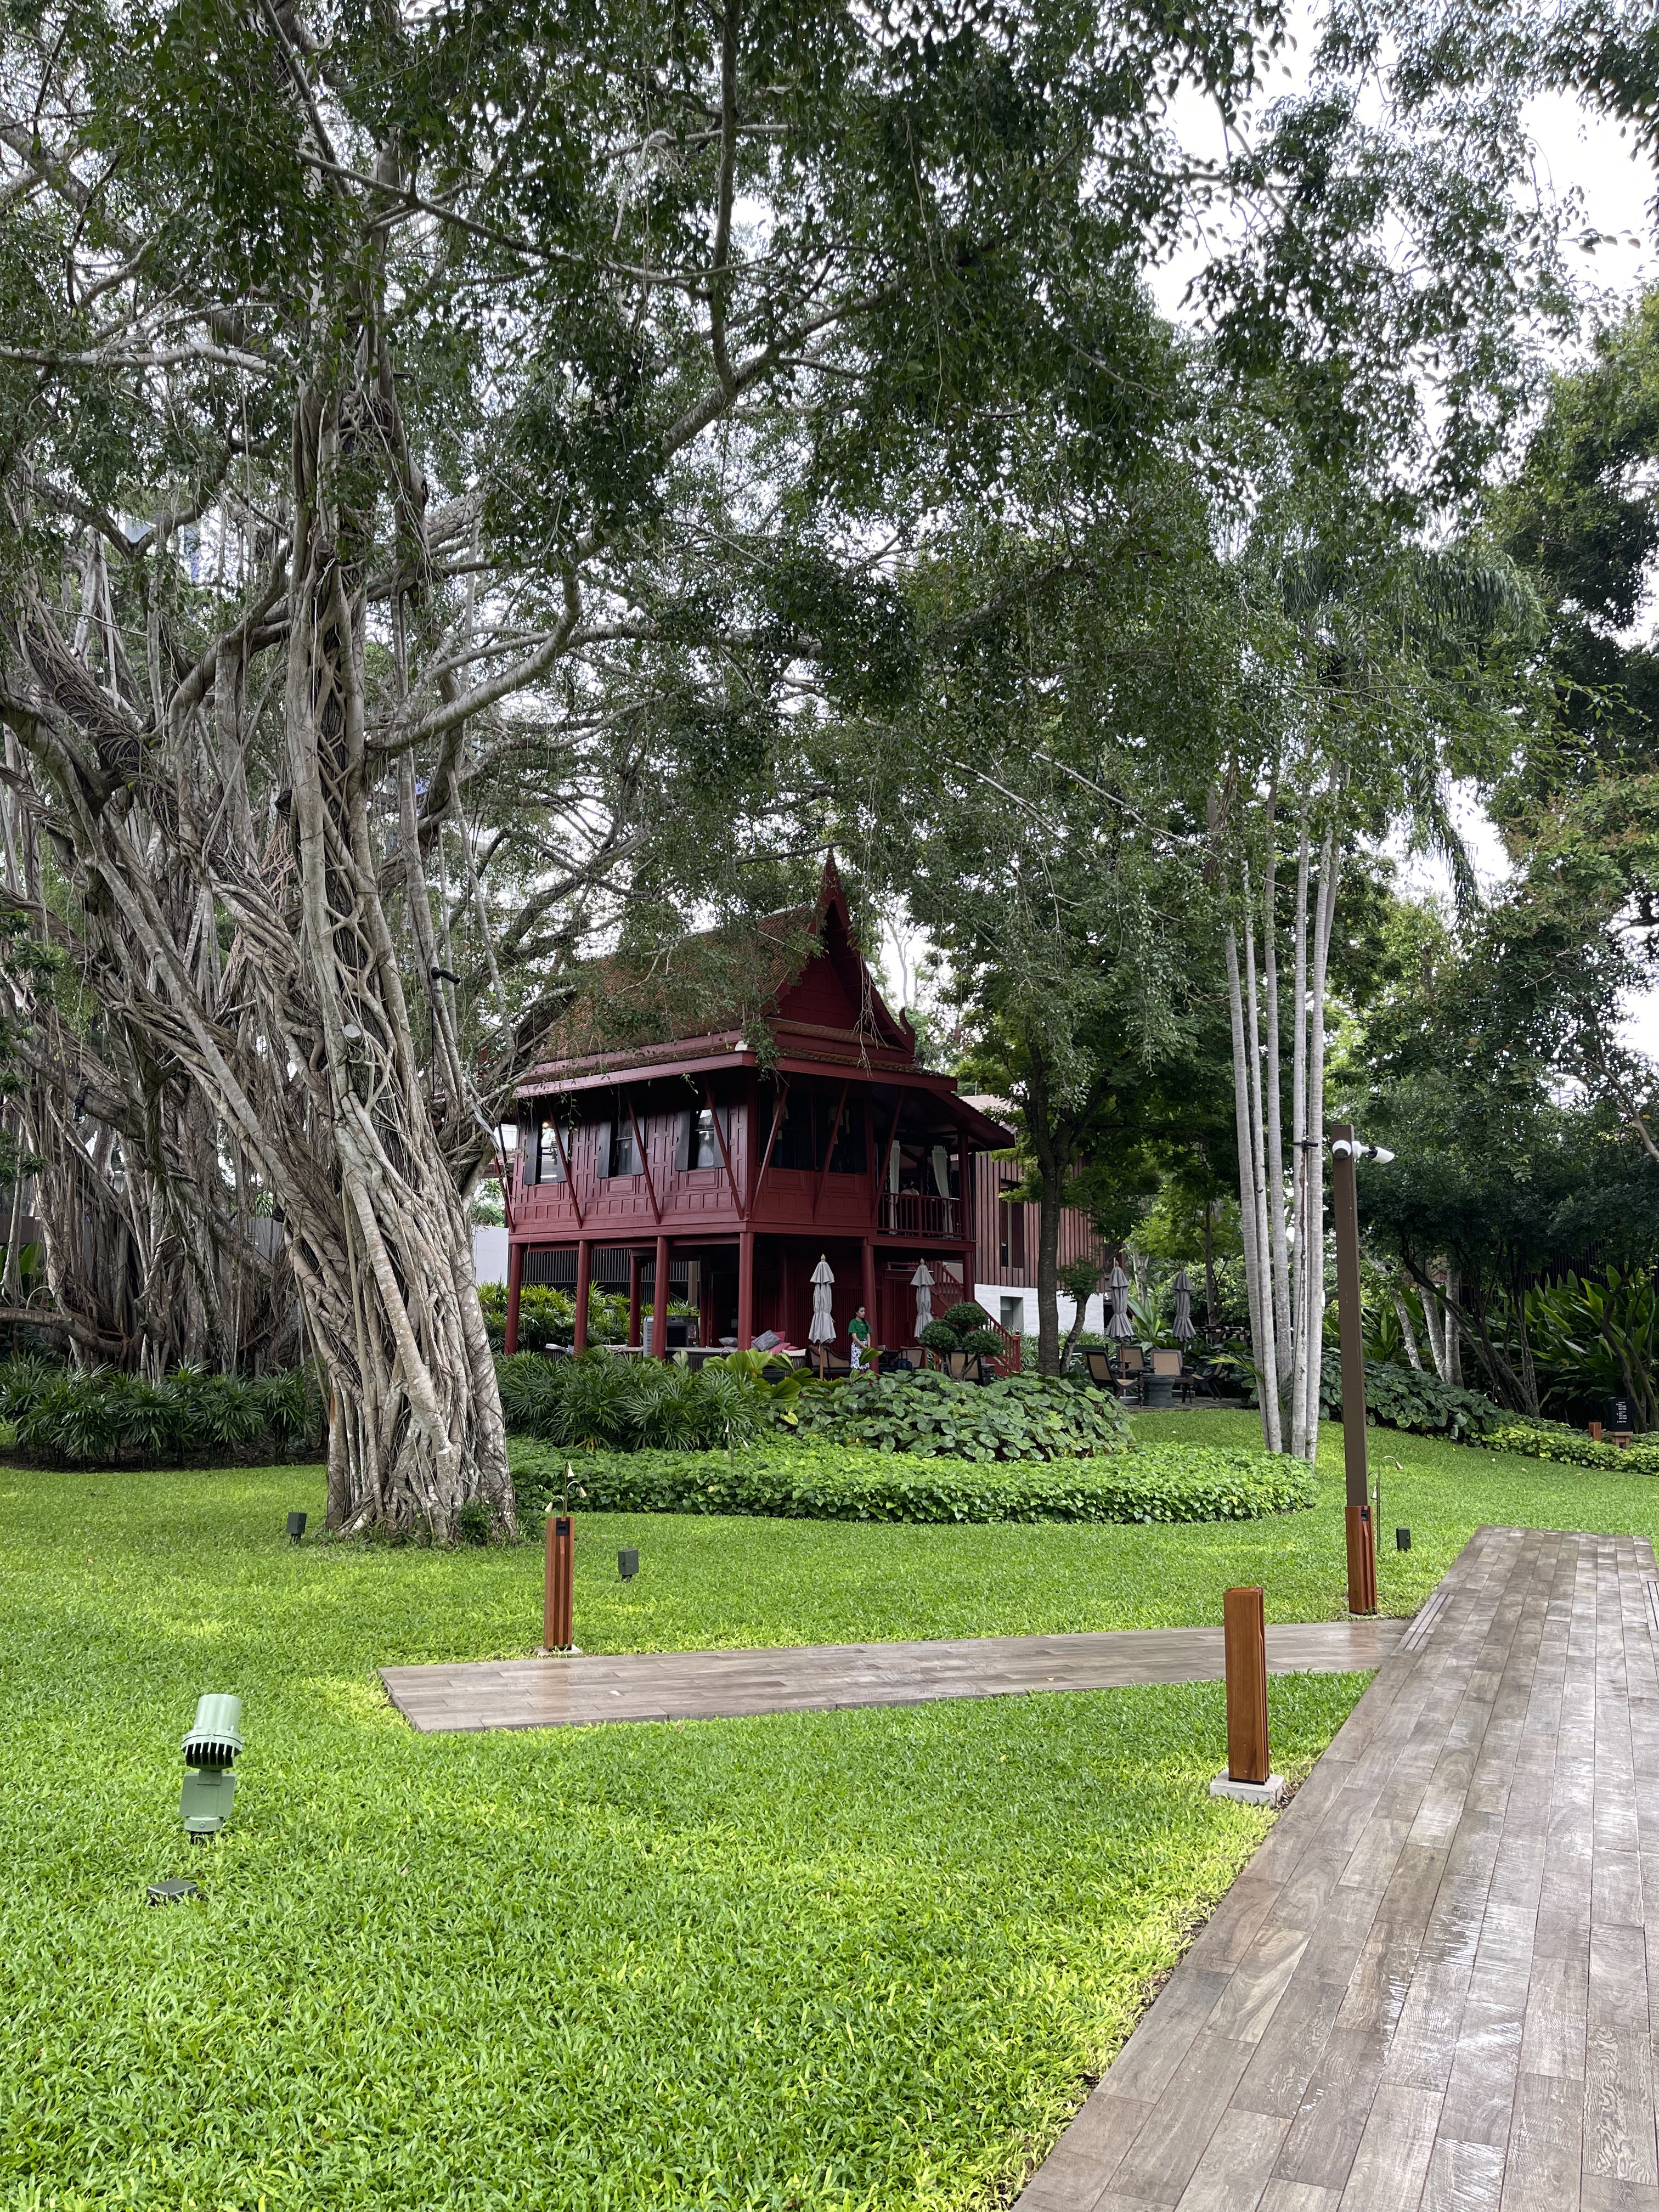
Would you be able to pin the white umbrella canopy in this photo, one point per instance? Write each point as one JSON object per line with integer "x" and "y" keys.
{"x": 922, "y": 1284}
{"x": 821, "y": 1329}
{"x": 1183, "y": 1313}
{"x": 1118, "y": 1323}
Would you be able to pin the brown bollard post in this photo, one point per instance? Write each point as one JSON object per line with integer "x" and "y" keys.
{"x": 558, "y": 1596}
{"x": 1244, "y": 1635}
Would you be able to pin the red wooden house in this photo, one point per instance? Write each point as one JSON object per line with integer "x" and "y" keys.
{"x": 745, "y": 1169}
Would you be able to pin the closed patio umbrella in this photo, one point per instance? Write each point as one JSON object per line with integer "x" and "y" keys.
{"x": 922, "y": 1284}
{"x": 1118, "y": 1323}
{"x": 821, "y": 1329}
{"x": 1183, "y": 1330}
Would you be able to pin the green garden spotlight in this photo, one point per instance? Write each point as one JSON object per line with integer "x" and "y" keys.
{"x": 210, "y": 1750}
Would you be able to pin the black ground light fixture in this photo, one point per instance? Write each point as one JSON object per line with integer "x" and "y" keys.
{"x": 1403, "y": 1540}
{"x": 296, "y": 1527}
{"x": 210, "y": 1750}
{"x": 172, "y": 1893}
{"x": 627, "y": 1563}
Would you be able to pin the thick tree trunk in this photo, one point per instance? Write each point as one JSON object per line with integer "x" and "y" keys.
{"x": 301, "y": 1042}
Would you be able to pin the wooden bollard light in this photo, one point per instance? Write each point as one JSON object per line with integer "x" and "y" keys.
{"x": 558, "y": 1596}
{"x": 1244, "y": 1642}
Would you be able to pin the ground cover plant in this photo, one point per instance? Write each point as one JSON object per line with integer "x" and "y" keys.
{"x": 1399, "y": 1396}
{"x": 842, "y": 1961}
{"x": 816, "y": 1482}
{"x": 1017, "y": 1417}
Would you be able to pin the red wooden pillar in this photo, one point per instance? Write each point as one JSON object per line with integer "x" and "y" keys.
{"x": 660, "y": 1302}
{"x": 633, "y": 1299}
{"x": 870, "y": 1313}
{"x": 514, "y": 1285}
{"x": 745, "y": 1288}
{"x": 584, "y": 1285}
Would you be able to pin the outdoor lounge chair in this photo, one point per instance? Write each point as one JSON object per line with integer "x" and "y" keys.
{"x": 1098, "y": 1362}
{"x": 964, "y": 1366}
{"x": 1131, "y": 1372}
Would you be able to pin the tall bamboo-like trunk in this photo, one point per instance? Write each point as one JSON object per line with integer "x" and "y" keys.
{"x": 1408, "y": 1333}
{"x": 1299, "y": 1147}
{"x": 1283, "y": 1330}
{"x": 1267, "y": 1354}
{"x": 1260, "y": 1307}
{"x": 1432, "y": 1313}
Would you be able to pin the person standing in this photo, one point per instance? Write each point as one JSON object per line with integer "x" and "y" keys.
{"x": 858, "y": 1331}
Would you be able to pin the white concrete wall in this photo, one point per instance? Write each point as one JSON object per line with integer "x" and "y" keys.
{"x": 490, "y": 1255}
{"x": 1024, "y": 1319}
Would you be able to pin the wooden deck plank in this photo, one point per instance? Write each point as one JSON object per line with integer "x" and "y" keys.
{"x": 1437, "y": 1980}
{"x": 588, "y": 1688}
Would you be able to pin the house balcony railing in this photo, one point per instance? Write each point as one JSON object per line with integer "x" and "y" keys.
{"x": 914, "y": 1213}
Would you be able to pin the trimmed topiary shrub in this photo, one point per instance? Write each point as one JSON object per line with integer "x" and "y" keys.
{"x": 791, "y": 1481}
{"x": 966, "y": 1314}
{"x": 1020, "y": 1417}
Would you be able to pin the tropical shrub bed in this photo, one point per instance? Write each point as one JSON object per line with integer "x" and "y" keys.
{"x": 1412, "y": 1399}
{"x": 61, "y": 1417}
{"x": 816, "y": 1482}
{"x": 598, "y": 1401}
{"x": 1021, "y": 1417}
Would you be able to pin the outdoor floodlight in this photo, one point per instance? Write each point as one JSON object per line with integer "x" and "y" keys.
{"x": 1346, "y": 1148}
{"x": 627, "y": 1563}
{"x": 1403, "y": 1540}
{"x": 210, "y": 1750}
{"x": 296, "y": 1527}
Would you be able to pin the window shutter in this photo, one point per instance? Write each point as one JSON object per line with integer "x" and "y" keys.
{"x": 602, "y": 1148}
{"x": 682, "y": 1140}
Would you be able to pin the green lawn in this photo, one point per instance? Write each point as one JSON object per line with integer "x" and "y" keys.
{"x": 807, "y": 1961}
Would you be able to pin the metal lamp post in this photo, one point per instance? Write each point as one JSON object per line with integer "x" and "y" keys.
{"x": 1345, "y": 1208}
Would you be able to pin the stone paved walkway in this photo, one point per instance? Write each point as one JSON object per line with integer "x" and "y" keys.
{"x": 1430, "y": 1989}
{"x": 814, "y": 1678}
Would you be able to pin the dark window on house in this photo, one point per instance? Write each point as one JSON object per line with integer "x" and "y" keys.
{"x": 623, "y": 1152}
{"x": 698, "y": 1146}
{"x": 792, "y": 1146}
{"x": 1011, "y": 1238}
{"x": 848, "y": 1155}
{"x": 550, "y": 1167}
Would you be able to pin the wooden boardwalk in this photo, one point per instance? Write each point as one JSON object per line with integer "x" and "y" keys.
{"x": 650, "y": 1686}
{"x": 1430, "y": 1989}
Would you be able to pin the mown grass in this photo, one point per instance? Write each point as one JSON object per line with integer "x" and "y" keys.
{"x": 821, "y": 1960}
{"x": 806, "y": 1962}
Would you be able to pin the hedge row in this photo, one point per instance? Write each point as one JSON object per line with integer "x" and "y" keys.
{"x": 1571, "y": 1447}
{"x": 797, "y": 1482}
